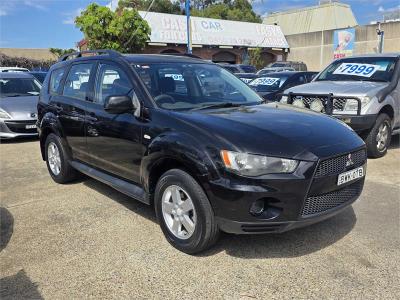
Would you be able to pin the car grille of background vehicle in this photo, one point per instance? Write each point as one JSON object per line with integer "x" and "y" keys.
{"x": 20, "y": 126}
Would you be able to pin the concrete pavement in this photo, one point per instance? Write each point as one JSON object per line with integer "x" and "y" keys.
{"x": 86, "y": 240}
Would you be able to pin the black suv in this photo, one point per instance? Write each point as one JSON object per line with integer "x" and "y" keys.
{"x": 196, "y": 142}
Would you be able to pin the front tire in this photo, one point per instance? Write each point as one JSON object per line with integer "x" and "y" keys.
{"x": 378, "y": 139}
{"x": 184, "y": 212}
{"x": 57, "y": 160}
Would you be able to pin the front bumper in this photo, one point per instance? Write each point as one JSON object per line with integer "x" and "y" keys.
{"x": 291, "y": 200}
{"x": 358, "y": 123}
{"x": 10, "y": 128}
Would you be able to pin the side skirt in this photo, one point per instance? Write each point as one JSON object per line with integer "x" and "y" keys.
{"x": 127, "y": 188}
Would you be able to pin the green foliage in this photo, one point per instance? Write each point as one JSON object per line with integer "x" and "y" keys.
{"x": 162, "y": 6}
{"x": 60, "y": 52}
{"x": 255, "y": 58}
{"x": 235, "y": 10}
{"x": 123, "y": 30}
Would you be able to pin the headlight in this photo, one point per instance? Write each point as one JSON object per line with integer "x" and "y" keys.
{"x": 284, "y": 99}
{"x": 365, "y": 101}
{"x": 256, "y": 165}
{"x": 4, "y": 114}
{"x": 352, "y": 104}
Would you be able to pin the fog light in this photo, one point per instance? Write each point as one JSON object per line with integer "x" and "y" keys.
{"x": 317, "y": 105}
{"x": 298, "y": 103}
{"x": 257, "y": 208}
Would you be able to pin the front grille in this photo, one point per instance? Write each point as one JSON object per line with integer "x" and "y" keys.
{"x": 338, "y": 102}
{"x": 323, "y": 203}
{"x": 19, "y": 126}
{"x": 338, "y": 164}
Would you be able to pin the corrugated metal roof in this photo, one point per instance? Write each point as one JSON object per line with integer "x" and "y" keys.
{"x": 315, "y": 18}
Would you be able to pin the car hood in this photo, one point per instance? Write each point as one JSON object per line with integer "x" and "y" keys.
{"x": 276, "y": 129}
{"x": 340, "y": 88}
{"x": 20, "y": 108}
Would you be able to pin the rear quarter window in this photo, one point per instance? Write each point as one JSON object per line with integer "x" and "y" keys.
{"x": 55, "y": 80}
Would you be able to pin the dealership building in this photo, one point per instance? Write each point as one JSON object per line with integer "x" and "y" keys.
{"x": 213, "y": 39}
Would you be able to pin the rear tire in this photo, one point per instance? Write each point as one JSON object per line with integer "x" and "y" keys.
{"x": 378, "y": 139}
{"x": 57, "y": 160}
{"x": 185, "y": 213}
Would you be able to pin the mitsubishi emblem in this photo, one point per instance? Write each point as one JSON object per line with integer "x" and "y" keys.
{"x": 349, "y": 161}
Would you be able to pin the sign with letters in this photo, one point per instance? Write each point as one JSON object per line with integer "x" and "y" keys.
{"x": 343, "y": 42}
{"x": 171, "y": 29}
{"x": 363, "y": 70}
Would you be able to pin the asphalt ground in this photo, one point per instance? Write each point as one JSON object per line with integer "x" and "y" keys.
{"x": 86, "y": 240}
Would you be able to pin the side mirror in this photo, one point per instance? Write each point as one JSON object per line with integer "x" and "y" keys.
{"x": 118, "y": 104}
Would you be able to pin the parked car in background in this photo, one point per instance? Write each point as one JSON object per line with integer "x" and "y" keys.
{"x": 39, "y": 75}
{"x": 18, "y": 104}
{"x": 208, "y": 157}
{"x": 274, "y": 70}
{"x": 363, "y": 91}
{"x": 296, "y": 65}
{"x": 239, "y": 68}
{"x": 246, "y": 77}
{"x": 13, "y": 69}
{"x": 247, "y": 68}
{"x": 272, "y": 85}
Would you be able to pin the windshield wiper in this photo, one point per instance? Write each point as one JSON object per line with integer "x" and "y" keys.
{"x": 218, "y": 105}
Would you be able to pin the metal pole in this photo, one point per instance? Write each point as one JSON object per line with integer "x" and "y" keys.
{"x": 381, "y": 42}
{"x": 188, "y": 27}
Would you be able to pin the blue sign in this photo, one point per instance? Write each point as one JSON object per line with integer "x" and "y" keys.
{"x": 343, "y": 42}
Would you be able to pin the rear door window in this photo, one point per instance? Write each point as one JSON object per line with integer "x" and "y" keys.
{"x": 77, "y": 83}
{"x": 55, "y": 80}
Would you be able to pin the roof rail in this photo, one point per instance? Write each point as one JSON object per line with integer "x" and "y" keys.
{"x": 112, "y": 53}
{"x": 182, "y": 54}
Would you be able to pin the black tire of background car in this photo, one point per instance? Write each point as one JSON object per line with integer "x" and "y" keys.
{"x": 370, "y": 140}
{"x": 206, "y": 232}
{"x": 67, "y": 172}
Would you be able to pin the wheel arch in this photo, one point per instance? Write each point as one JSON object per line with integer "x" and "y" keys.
{"x": 387, "y": 109}
{"x": 48, "y": 125}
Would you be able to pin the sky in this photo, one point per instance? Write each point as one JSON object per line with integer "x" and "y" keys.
{"x": 50, "y": 23}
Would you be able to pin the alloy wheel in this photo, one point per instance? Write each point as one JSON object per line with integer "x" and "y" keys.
{"x": 54, "y": 158}
{"x": 178, "y": 212}
{"x": 382, "y": 136}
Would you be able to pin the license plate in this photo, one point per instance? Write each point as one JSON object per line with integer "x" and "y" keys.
{"x": 33, "y": 126}
{"x": 350, "y": 175}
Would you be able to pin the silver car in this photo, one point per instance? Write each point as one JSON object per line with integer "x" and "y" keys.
{"x": 18, "y": 104}
{"x": 363, "y": 91}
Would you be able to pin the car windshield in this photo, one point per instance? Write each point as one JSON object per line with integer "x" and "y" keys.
{"x": 360, "y": 68}
{"x": 17, "y": 87}
{"x": 39, "y": 76}
{"x": 268, "y": 84}
{"x": 178, "y": 86}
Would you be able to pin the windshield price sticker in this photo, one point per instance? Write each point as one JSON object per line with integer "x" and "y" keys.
{"x": 264, "y": 81}
{"x": 363, "y": 70}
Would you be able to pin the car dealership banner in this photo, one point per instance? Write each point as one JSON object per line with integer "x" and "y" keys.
{"x": 343, "y": 42}
{"x": 171, "y": 29}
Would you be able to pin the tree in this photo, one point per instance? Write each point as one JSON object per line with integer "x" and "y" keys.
{"x": 123, "y": 30}
{"x": 162, "y": 6}
{"x": 255, "y": 58}
{"x": 235, "y": 10}
{"x": 60, "y": 52}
